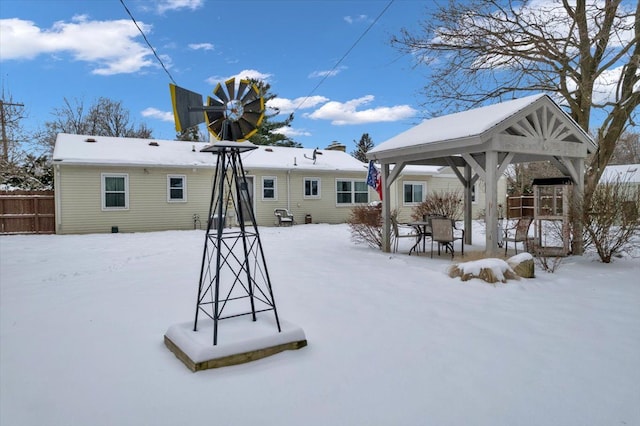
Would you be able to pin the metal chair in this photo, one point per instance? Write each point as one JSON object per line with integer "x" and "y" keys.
{"x": 518, "y": 234}
{"x": 284, "y": 218}
{"x": 395, "y": 227}
{"x": 442, "y": 232}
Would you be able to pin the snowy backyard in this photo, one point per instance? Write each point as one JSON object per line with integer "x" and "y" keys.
{"x": 392, "y": 339}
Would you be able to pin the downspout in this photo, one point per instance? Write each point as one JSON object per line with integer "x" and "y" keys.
{"x": 57, "y": 195}
{"x": 289, "y": 189}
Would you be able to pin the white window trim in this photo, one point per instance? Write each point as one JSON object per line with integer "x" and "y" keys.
{"x": 353, "y": 192}
{"x": 103, "y": 201}
{"x": 311, "y": 197}
{"x": 414, "y": 183}
{"x": 184, "y": 189}
{"x": 275, "y": 188}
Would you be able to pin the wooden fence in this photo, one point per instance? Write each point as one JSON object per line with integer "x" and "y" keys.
{"x": 518, "y": 207}
{"x": 27, "y": 212}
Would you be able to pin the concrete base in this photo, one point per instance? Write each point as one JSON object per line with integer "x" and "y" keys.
{"x": 240, "y": 340}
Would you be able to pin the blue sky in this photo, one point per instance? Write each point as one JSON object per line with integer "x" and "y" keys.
{"x": 88, "y": 49}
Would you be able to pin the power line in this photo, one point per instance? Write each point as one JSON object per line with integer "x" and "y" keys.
{"x": 330, "y": 72}
{"x": 148, "y": 43}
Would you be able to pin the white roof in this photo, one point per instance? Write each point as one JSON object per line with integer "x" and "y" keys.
{"x": 626, "y": 173}
{"x": 459, "y": 126}
{"x": 114, "y": 151}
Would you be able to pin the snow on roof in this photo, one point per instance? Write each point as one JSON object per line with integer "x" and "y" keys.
{"x": 103, "y": 150}
{"x": 625, "y": 173}
{"x": 460, "y": 125}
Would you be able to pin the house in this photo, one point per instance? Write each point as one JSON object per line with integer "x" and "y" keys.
{"x": 109, "y": 184}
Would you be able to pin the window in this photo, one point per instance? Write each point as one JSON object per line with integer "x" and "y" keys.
{"x": 176, "y": 188}
{"x": 269, "y": 188}
{"x": 413, "y": 192}
{"x": 311, "y": 187}
{"x": 115, "y": 191}
{"x": 352, "y": 192}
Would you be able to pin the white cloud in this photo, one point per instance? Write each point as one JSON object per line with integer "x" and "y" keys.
{"x": 605, "y": 87}
{"x": 201, "y": 46}
{"x": 358, "y": 18}
{"x": 166, "y": 5}
{"x": 341, "y": 114}
{"x": 244, "y": 74}
{"x": 156, "y": 113}
{"x": 330, "y": 73}
{"x": 292, "y": 132}
{"x": 108, "y": 45}
{"x": 288, "y": 106}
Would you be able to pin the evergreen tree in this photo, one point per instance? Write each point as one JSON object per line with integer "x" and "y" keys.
{"x": 267, "y": 133}
{"x": 192, "y": 134}
{"x": 362, "y": 147}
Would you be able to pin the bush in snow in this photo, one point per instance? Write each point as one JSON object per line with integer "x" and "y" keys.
{"x": 365, "y": 223}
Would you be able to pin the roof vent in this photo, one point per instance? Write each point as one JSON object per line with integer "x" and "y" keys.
{"x": 268, "y": 149}
{"x": 90, "y": 140}
{"x": 153, "y": 143}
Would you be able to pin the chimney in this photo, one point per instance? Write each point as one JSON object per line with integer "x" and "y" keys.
{"x": 336, "y": 146}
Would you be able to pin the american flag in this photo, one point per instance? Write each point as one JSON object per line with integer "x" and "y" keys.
{"x": 374, "y": 179}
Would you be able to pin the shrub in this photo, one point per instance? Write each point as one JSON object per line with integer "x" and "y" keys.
{"x": 365, "y": 223}
{"x": 441, "y": 203}
{"x": 611, "y": 220}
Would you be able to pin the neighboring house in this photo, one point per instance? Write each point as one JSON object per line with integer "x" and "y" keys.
{"x": 623, "y": 173}
{"x": 108, "y": 184}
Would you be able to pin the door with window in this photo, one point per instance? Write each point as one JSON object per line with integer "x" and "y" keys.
{"x": 246, "y": 194}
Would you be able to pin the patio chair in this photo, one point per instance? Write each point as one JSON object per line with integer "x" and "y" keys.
{"x": 442, "y": 233}
{"x": 283, "y": 217}
{"x": 395, "y": 228}
{"x": 518, "y": 234}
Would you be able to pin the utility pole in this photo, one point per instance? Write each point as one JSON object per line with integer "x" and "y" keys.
{"x": 5, "y": 142}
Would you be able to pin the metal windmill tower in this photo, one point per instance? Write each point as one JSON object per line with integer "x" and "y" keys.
{"x": 234, "y": 279}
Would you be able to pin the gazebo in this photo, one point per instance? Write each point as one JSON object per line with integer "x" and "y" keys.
{"x": 481, "y": 143}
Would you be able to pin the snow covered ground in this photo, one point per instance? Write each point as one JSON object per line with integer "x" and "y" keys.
{"x": 392, "y": 339}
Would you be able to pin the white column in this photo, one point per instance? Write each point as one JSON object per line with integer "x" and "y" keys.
{"x": 491, "y": 201}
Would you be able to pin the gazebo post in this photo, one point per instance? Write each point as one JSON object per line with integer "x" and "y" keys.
{"x": 386, "y": 209}
{"x": 491, "y": 201}
{"x": 467, "y": 204}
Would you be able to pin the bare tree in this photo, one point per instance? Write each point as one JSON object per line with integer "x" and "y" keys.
{"x": 627, "y": 149}
{"x": 586, "y": 52}
{"x": 105, "y": 117}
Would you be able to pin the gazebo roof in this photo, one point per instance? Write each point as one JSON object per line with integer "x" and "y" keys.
{"x": 536, "y": 118}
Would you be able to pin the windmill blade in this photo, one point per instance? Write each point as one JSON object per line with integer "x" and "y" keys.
{"x": 219, "y": 92}
{"x": 215, "y": 128}
{"x": 236, "y": 132}
{"x": 247, "y": 128}
{"x": 242, "y": 87}
{"x": 253, "y": 118}
{"x": 256, "y": 105}
{"x": 231, "y": 87}
{"x": 215, "y": 103}
{"x": 252, "y": 94}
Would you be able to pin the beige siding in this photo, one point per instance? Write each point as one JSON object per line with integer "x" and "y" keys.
{"x": 291, "y": 195}
{"x": 444, "y": 182}
{"x": 80, "y": 202}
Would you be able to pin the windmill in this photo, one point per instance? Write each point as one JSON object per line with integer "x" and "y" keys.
{"x": 234, "y": 280}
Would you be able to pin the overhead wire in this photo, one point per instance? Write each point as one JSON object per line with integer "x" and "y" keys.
{"x": 331, "y": 71}
{"x": 147, "y": 41}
